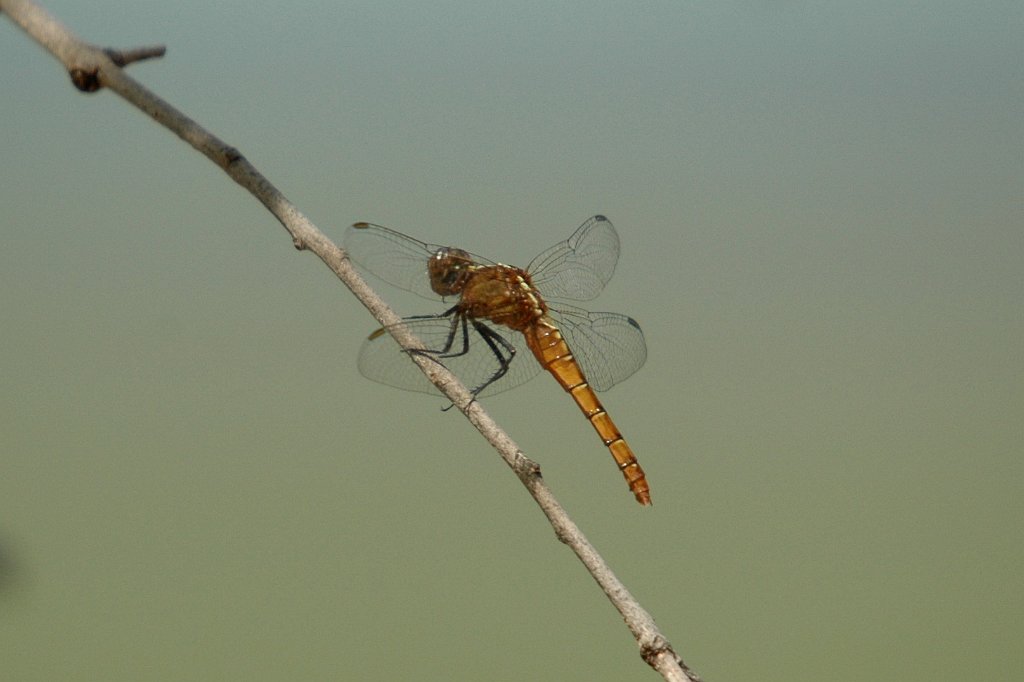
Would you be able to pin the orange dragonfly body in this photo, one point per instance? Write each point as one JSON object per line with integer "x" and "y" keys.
{"x": 583, "y": 350}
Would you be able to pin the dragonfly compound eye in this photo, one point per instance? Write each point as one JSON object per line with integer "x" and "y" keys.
{"x": 447, "y": 271}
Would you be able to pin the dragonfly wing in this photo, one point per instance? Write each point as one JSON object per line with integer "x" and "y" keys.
{"x": 608, "y": 347}
{"x": 381, "y": 359}
{"x": 392, "y": 256}
{"x": 578, "y": 268}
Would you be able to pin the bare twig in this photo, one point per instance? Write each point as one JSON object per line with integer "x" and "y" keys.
{"x": 126, "y": 57}
{"x": 93, "y": 68}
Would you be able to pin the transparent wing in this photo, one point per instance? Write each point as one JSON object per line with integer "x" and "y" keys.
{"x": 578, "y": 268}
{"x": 392, "y": 256}
{"x": 381, "y": 359}
{"x": 608, "y": 347}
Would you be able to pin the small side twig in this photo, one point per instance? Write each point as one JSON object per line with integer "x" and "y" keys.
{"x": 87, "y": 78}
{"x": 93, "y": 68}
{"x": 123, "y": 58}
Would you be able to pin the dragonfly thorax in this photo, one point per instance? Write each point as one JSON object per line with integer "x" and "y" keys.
{"x": 502, "y": 294}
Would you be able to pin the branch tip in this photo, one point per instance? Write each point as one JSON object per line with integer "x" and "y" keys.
{"x": 125, "y": 57}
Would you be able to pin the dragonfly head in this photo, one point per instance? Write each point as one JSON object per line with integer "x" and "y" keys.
{"x": 448, "y": 271}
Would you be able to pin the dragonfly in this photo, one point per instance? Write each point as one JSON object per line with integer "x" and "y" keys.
{"x": 498, "y": 313}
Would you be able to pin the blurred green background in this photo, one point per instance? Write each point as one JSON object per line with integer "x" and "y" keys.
{"x": 821, "y": 214}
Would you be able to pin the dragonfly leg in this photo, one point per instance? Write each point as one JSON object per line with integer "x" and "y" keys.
{"x": 444, "y": 351}
{"x": 434, "y": 316}
{"x": 493, "y": 340}
{"x": 460, "y": 320}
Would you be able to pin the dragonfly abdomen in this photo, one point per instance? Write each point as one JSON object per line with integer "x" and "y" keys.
{"x": 551, "y": 350}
